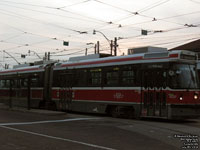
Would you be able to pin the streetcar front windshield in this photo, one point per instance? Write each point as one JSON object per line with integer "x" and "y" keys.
{"x": 183, "y": 76}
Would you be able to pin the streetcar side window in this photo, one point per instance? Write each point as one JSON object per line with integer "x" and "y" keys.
{"x": 24, "y": 82}
{"x": 1, "y": 83}
{"x": 81, "y": 78}
{"x": 128, "y": 77}
{"x": 37, "y": 81}
{"x": 34, "y": 82}
{"x": 5, "y": 83}
{"x": 14, "y": 83}
{"x": 95, "y": 76}
{"x": 112, "y": 77}
{"x": 57, "y": 79}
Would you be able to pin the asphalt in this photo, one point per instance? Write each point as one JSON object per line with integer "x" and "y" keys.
{"x": 39, "y": 111}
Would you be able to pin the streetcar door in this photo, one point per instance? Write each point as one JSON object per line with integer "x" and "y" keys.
{"x": 153, "y": 97}
{"x": 66, "y": 91}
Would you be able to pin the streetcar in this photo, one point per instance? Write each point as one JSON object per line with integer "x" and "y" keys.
{"x": 161, "y": 84}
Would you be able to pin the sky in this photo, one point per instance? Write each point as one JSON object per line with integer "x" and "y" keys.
{"x": 41, "y": 26}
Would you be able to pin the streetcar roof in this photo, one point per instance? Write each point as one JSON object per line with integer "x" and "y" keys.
{"x": 106, "y": 61}
{"x": 27, "y": 69}
{"x": 165, "y": 56}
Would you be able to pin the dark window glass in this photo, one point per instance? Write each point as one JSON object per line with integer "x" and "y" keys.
{"x": 81, "y": 77}
{"x": 24, "y": 82}
{"x": 95, "y": 77}
{"x": 112, "y": 77}
{"x": 183, "y": 76}
{"x": 128, "y": 77}
{"x": 57, "y": 79}
{"x": 35, "y": 82}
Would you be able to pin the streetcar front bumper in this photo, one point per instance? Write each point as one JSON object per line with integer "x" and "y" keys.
{"x": 188, "y": 111}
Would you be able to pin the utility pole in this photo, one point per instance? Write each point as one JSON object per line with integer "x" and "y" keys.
{"x": 98, "y": 47}
{"x": 95, "y": 48}
{"x": 48, "y": 57}
{"x": 6, "y": 66}
{"x": 86, "y": 51}
{"x": 115, "y": 47}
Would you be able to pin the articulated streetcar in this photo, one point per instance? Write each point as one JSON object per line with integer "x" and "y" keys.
{"x": 153, "y": 84}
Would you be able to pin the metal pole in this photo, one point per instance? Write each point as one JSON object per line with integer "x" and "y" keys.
{"x": 29, "y": 94}
{"x": 115, "y": 47}
{"x": 98, "y": 47}
{"x": 111, "y": 47}
{"x": 95, "y": 48}
{"x": 86, "y": 51}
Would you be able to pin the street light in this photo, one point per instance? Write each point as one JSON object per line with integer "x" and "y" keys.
{"x": 109, "y": 41}
{"x": 94, "y": 32}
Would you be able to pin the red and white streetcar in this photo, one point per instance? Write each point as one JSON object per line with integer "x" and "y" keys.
{"x": 161, "y": 84}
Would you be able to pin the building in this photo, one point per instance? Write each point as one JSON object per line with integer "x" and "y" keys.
{"x": 192, "y": 46}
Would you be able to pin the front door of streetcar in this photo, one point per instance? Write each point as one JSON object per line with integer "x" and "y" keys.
{"x": 65, "y": 91}
{"x": 153, "y": 95}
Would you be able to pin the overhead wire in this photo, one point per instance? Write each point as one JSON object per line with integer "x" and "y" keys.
{"x": 78, "y": 3}
{"x": 156, "y": 4}
{"x": 63, "y": 10}
{"x": 36, "y": 20}
{"x": 12, "y": 37}
{"x": 165, "y": 19}
{"x": 134, "y": 13}
{"x": 152, "y": 41}
{"x": 197, "y": 2}
{"x": 141, "y": 15}
{"x": 58, "y": 15}
{"x": 27, "y": 4}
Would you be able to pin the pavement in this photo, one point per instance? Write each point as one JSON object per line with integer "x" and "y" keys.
{"x": 39, "y": 111}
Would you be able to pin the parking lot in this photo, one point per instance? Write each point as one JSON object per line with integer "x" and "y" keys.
{"x": 24, "y": 130}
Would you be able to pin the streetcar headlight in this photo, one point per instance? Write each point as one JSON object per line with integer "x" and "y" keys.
{"x": 196, "y": 96}
{"x": 181, "y": 98}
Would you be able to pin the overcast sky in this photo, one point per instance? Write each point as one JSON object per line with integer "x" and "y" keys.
{"x": 42, "y": 26}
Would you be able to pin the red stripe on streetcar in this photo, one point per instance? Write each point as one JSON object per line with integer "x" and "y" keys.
{"x": 173, "y": 55}
{"x": 114, "y": 60}
{"x": 103, "y": 61}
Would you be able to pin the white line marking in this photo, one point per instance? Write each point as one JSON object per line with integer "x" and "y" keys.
{"x": 47, "y": 121}
{"x": 59, "y": 138}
